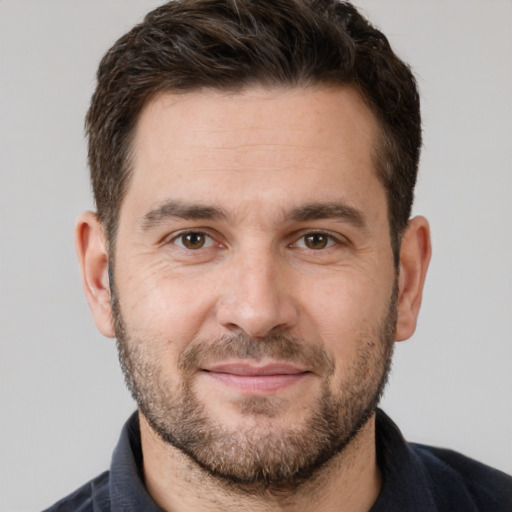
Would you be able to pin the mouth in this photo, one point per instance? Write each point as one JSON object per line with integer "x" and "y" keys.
{"x": 256, "y": 379}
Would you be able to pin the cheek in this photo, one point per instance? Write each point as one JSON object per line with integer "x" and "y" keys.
{"x": 163, "y": 306}
{"x": 344, "y": 309}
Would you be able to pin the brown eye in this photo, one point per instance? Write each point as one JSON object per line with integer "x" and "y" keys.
{"x": 316, "y": 241}
{"x": 192, "y": 240}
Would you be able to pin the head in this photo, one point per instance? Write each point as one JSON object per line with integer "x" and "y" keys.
{"x": 230, "y": 45}
{"x": 253, "y": 165}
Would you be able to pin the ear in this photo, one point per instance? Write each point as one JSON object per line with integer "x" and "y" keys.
{"x": 415, "y": 253}
{"x": 92, "y": 253}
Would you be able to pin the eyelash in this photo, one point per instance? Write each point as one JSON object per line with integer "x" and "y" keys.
{"x": 331, "y": 240}
{"x": 183, "y": 234}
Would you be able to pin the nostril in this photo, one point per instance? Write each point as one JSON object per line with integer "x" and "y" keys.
{"x": 256, "y": 323}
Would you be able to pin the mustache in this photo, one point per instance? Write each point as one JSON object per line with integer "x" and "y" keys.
{"x": 284, "y": 348}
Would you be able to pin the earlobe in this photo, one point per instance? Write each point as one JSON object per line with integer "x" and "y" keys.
{"x": 415, "y": 255}
{"x": 92, "y": 254}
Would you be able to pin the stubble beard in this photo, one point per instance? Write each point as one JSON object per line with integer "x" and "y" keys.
{"x": 259, "y": 456}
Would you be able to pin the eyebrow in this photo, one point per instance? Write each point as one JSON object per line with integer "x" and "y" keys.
{"x": 309, "y": 212}
{"x": 177, "y": 209}
{"x": 335, "y": 210}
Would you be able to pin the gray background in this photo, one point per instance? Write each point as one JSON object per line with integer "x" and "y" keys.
{"x": 62, "y": 397}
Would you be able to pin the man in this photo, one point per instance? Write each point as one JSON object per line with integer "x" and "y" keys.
{"x": 253, "y": 166}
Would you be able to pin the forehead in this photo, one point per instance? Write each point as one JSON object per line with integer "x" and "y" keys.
{"x": 258, "y": 145}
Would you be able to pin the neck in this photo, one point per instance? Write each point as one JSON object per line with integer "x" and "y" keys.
{"x": 350, "y": 481}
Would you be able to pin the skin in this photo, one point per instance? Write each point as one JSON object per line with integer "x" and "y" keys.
{"x": 259, "y": 156}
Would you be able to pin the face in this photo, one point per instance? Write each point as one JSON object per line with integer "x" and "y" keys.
{"x": 254, "y": 279}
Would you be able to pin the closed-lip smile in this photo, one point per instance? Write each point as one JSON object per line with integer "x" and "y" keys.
{"x": 254, "y": 378}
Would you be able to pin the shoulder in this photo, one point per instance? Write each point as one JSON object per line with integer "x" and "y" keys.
{"x": 428, "y": 479}
{"x": 94, "y": 496}
{"x": 457, "y": 479}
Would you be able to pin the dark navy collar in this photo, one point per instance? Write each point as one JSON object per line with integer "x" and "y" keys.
{"x": 415, "y": 478}
{"x": 405, "y": 483}
{"x": 127, "y": 490}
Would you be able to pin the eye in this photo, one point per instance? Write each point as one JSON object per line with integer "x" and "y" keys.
{"x": 315, "y": 241}
{"x": 194, "y": 240}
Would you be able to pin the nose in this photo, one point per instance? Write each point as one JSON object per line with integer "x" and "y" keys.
{"x": 258, "y": 296}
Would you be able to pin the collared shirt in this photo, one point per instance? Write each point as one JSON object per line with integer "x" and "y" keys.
{"x": 416, "y": 478}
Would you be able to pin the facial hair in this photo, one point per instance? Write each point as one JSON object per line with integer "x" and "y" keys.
{"x": 259, "y": 455}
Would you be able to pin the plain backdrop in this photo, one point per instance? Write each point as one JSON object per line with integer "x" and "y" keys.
{"x": 62, "y": 396}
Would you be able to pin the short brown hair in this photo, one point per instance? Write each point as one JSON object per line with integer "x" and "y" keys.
{"x": 189, "y": 45}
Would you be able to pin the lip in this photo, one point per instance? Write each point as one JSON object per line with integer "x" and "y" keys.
{"x": 254, "y": 379}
